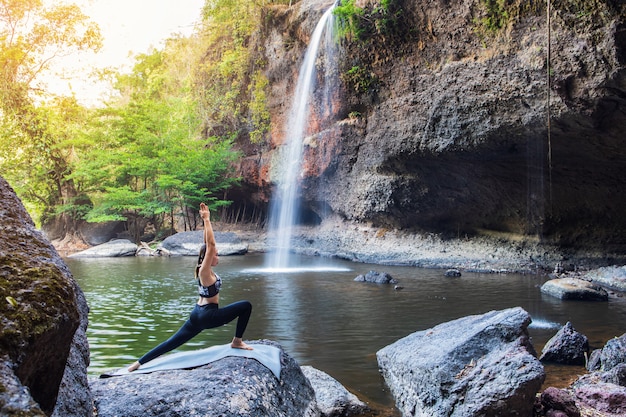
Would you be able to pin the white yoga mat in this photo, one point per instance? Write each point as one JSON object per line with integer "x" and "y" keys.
{"x": 268, "y": 356}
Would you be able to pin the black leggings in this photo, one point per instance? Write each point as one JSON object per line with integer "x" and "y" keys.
{"x": 203, "y": 317}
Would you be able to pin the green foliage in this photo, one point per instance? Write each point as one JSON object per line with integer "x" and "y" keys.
{"x": 581, "y": 15}
{"x": 363, "y": 24}
{"x": 140, "y": 159}
{"x": 497, "y": 16}
{"x": 588, "y": 15}
{"x": 232, "y": 88}
{"x": 349, "y": 19}
{"x": 259, "y": 114}
{"x": 143, "y": 156}
{"x": 360, "y": 78}
{"x": 33, "y": 151}
{"x": 31, "y": 37}
{"x": 361, "y": 30}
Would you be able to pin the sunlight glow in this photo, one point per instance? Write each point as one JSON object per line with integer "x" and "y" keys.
{"x": 129, "y": 27}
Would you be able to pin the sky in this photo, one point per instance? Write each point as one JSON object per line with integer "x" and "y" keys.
{"x": 129, "y": 27}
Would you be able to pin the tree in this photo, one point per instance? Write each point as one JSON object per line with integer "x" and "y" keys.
{"x": 31, "y": 38}
{"x": 232, "y": 84}
{"x": 143, "y": 158}
{"x": 33, "y": 156}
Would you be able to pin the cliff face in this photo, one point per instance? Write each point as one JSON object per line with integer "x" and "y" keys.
{"x": 451, "y": 134}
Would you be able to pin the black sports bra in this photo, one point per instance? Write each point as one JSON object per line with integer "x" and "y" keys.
{"x": 212, "y": 290}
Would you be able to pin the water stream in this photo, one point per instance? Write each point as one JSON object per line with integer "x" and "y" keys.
{"x": 284, "y": 205}
{"x": 319, "y": 314}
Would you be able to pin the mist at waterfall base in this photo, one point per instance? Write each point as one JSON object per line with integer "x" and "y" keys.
{"x": 284, "y": 205}
{"x": 322, "y": 319}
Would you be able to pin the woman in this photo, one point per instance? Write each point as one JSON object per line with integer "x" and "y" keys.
{"x": 206, "y": 313}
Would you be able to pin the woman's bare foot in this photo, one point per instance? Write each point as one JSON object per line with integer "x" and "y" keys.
{"x": 239, "y": 344}
{"x": 134, "y": 367}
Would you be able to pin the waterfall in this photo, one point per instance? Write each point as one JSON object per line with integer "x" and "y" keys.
{"x": 284, "y": 206}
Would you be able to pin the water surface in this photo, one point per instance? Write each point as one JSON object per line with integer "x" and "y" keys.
{"x": 318, "y": 313}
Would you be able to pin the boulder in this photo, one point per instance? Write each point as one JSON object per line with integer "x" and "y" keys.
{"x": 556, "y": 402}
{"x": 602, "y": 392}
{"x": 596, "y": 397}
{"x": 613, "y": 277}
{"x": 567, "y": 346}
{"x": 333, "y": 399}
{"x": 232, "y": 386}
{"x": 482, "y": 365}
{"x": 189, "y": 244}
{"x": 612, "y": 354}
{"x": 453, "y": 273}
{"x": 99, "y": 233}
{"x": 43, "y": 345}
{"x": 574, "y": 289}
{"x": 113, "y": 248}
{"x": 376, "y": 278}
{"x": 616, "y": 375}
{"x": 74, "y": 399}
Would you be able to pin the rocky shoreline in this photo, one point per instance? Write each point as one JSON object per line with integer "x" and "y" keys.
{"x": 359, "y": 242}
{"x": 362, "y": 243}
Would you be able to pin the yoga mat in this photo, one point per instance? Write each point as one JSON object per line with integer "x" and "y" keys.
{"x": 268, "y": 356}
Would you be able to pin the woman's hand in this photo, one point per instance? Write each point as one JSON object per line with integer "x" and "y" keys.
{"x": 205, "y": 214}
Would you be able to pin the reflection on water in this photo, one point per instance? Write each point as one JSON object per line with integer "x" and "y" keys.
{"x": 318, "y": 314}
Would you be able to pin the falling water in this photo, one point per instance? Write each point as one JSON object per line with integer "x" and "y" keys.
{"x": 284, "y": 206}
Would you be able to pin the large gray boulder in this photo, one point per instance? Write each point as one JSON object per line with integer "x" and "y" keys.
{"x": 333, "y": 399}
{"x": 482, "y": 365}
{"x": 189, "y": 244}
{"x": 113, "y": 248}
{"x": 233, "y": 386}
{"x": 43, "y": 345}
{"x": 574, "y": 289}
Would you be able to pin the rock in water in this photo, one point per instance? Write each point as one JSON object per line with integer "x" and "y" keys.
{"x": 333, "y": 399}
{"x": 376, "y": 277}
{"x": 481, "y": 365}
{"x": 567, "y": 346}
{"x": 574, "y": 289}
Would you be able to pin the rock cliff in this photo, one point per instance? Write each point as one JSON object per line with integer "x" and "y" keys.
{"x": 43, "y": 344}
{"x": 447, "y": 130}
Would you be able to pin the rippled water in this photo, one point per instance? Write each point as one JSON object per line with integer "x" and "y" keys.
{"x": 317, "y": 312}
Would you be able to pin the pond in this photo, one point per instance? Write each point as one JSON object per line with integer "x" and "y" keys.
{"x": 318, "y": 313}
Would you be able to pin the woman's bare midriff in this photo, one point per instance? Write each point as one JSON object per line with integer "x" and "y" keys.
{"x": 213, "y": 300}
